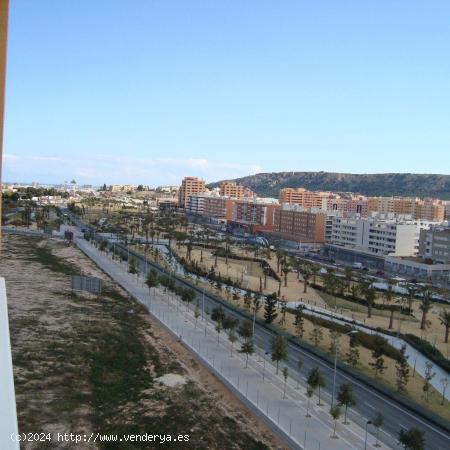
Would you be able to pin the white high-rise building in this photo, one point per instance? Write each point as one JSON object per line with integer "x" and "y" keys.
{"x": 394, "y": 237}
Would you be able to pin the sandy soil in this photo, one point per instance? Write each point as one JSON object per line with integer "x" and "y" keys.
{"x": 42, "y": 314}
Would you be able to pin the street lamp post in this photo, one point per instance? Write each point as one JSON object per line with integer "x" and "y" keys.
{"x": 335, "y": 364}
{"x": 365, "y": 438}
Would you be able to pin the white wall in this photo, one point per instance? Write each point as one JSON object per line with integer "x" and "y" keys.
{"x": 8, "y": 416}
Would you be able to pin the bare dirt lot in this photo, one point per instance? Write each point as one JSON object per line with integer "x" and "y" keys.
{"x": 88, "y": 365}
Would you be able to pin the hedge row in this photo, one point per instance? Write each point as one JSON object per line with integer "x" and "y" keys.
{"x": 363, "y": 302}
{"x": 428, "y": 350}
{"x": 369, "y": 341}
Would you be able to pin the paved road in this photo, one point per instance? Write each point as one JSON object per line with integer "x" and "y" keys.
{"x": 370, "y": 401}
{"x": 258, "y": 385}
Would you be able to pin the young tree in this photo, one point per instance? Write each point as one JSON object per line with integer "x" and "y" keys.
{"x": 346, "y": 398}
{"x": 334, "y": 342}
{"x": 335, "y": 412}
{"x": 270, "y": 308}
{"x": 309, "y": 394}
{"x": 247, "y": 300}
{"x": 279, "y": 350}
{"x": 444, "y": 318}
{"x": 256, "y": 304}
{"x": 232, "y": 338}
{"x": 402, "y": 371}
{"x": 187, "y": 295}
{"x": 246, "y": 330}
{"x": 316, "y": 335}
{"x": 219, "y": 328}
{"x": 316, "y": 381}
{"x": 229, "y": 323}
{"x": 248, "y": 348}
{"x": 285, "y": 376}
{"x": 132, "y": 267}
{"x": 196, "y": 313}
{"x": 217, "y": 314}
{"x": 412, "y": 439}
{"x": 429, "y": 375}
{"x": 377, "y": 422}
{"x": 348, "y": 277}
{"x": 353, "y": 351}
{"x": 299, "y": 322}
{"x": 377, "y": 354}
{"x": 152, "y": 280}
{"x": 283, "y": 308}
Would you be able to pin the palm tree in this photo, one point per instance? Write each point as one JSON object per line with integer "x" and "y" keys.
{"x": 306, "y": 277}
{"x": 425, "y": 306}
{"x": 315, "y": 269}
{"x": 370, "y": 295}
{"x": 389, "y": 296}
{"x": 444, "y": 318}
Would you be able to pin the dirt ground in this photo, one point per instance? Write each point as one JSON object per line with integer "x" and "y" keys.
{"x": 86, "y": 364}
{"x": 250, "y": 272}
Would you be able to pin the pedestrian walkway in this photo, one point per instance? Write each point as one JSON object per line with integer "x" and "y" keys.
{"x": 283, "y": 407}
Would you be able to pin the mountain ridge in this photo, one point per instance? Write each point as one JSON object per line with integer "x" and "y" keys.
{"x": 379, "y": 184}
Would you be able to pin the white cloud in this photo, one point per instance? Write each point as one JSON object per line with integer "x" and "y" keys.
{"x": 104, "y": 168}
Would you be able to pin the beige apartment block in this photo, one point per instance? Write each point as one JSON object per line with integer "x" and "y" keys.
{"x": 303, "y": 197}
{"x": 254, "y": 215}
{"x": 348, "y": 205}
{"x": 190, "y": 186}
{"x": 300, "y": 226}
{"x": 418, "y": 209}
{"x": 234, "y": 190}
{"x": 219, "y": 207}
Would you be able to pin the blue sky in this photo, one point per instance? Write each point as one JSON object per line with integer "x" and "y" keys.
{"x": 138, "y": 91}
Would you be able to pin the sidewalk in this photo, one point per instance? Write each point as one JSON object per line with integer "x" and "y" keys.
{"x": 258, "y": 385}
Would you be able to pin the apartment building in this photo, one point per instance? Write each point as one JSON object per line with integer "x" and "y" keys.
{"x": 446, "y": 205}
{"x": 418, "y": 209}
{"x": 295, "y": 223}
{"x": 235, "y": 190}
{"x": 303, "y": 197}
{"x": 218, "y": 207}
{"x": 434, "y": 244}
{"x": 378, "y": 236}
{"x": 195, "y": 204}
{"x": 348, "y": 205}
{"x": 254, "y": 215}
{"x": 190, "y": 186}
{"x": 123, "y": 188}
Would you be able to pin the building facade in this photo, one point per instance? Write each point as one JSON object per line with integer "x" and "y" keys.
{"x": 303, "y": 197}
{"x": 234, "y": 190}
{"x": 418, "y": 209}
{"x": 434, "y": 244}
{"x": 300, "y": 225}
{"x": 352, "y": 205}
{"x": 190, "y": 186}
{"x": 253, "y": 216}
{"x": 378, "y": 236}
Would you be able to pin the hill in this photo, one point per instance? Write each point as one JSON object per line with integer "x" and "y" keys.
{"x": 383, "y": 184}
